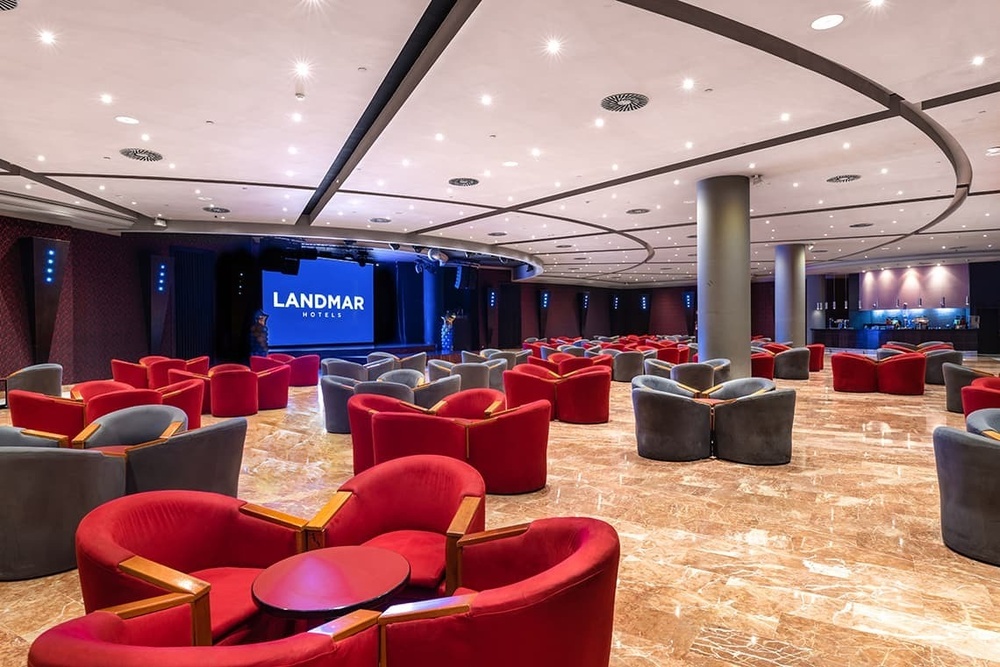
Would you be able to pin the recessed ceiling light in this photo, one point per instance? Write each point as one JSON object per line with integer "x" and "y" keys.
{"x": 510, "y": 163}
{"x": 172, "y": 165}
{"x": 876, "y": 3}
{"x": 296, "y": 117}
{"x": 145, "y": 137}
{"x": 292, "y": 150}
{"x": 885, "y": 170}
{"x": 127, "y": 120}
{"x": 978, "y": 60}
{"x": 406, "y": 163}
{"x": 107, "y": 99}
{"x": 41, "y": 158}
{"x": 27, "y": 186}
{"x": 752, "y": 165}
{"x": 785, "y": 117}
{"x": 553, "y": 46}
{"x": 614, "y": 167}
{"x": 100, "y": 187}
{"x": 46, "y": 37}
{"x": 599, "y": 122}
{"x": 795, "y": 185}
{"x": 536, "y": 152}
{"x": 438, "y": 137}
{"x": 687, "y": 84}
{"x": 847, "y": 144}
{"x": 677, "y": 181}
{"x": 827, "y": 22}
{"x": 289, "y": 173}
{"x": 689, "y": 145}
{"x": 302, "y": 69}
{"x": 486, "y": 100}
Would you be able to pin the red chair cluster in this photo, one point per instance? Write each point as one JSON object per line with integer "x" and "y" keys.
{"x": 233, "y": 390}
{"x": 508, "y": 446}
{"x": 579, "y": 397}
{"x": 902, "y": 374}
{"x": 304, "y": 369}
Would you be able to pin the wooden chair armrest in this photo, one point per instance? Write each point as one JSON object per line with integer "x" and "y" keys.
{"x": 347, "y": 626}
{"x": 459, "y": 526}
{"x": 62, "y": 440}
{"x": 992, "y": 434}
{"x": 490, "y": 535}
{"x": 174, "y": 581}
{"x": 172, "y": 428}
{"x": 149, "y": 605}
{"x": 315, "y": 538}
{"x": 710, "y": 390}
{"x": 65, "y": 401}
{"x": 414, "y": 611}
{"x": 437, "y": 406}
{"x": 81, "y": 438}
{"x": 687, "y": 388}
{"x": 492, "y": 408}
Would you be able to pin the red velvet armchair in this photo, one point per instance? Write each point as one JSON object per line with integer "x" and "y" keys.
{"x": 762, "y": 365}
{"x": 176, "y": 377}
{"x": 536, "y": 595}
{"x": 189, "y": 396}
{"x": 159, "y": 369}
{"x": 136, "y": 375}
{"x": 87, "y": 390}
{"x": 816, "y": 354}
{"x": 902, "y": 374}
{"x": 305, "y": 369}
{"x": 233, "y": 390}
{"x": 272, "y": 387}
{"x": 854, "y": 372}
{"x": 197, "y": 365}
{"x": 471, "y": 404}
{"x": 542, "y": 363}
{"x": 982, "y": 393}
{"x": 360, "y": 410}
{"x": 568, "y": 366}
{"x": 157, "y": 633}
{"x": 207, "y": 546}
{"x": 40, "y": 412}
{"x": 102, "y": 404}
{"x": 584, "y": 396}
{"x": 417, "y": 506}
{"x": 529, "y": 382}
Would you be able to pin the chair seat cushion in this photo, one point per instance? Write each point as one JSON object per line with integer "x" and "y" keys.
{"x": 229, "y": 599}
{"x": 423, "y": 550}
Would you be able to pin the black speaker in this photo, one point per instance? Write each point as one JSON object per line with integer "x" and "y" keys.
{"x": 582, "y": 308}
{"x": 543, "y": 311}
{"x": 43, "y": 262}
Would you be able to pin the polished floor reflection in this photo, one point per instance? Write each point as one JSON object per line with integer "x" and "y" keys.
{"x": 835, "y": 559}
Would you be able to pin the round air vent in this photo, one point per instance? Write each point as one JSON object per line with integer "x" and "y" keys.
{"x": 7, "y": 5}
{"x": 380, "y": 221}
{"x": 624, "y": 102}
{"x": 141, "y": 154}
{"x": 497, "y": 234}
{"x": 860, "y": 225}
{"x": 215, "y": 209}
{"x": 463, "y": 182}
{"x": 637, "y": 211}
{"x": 844, "y": 178}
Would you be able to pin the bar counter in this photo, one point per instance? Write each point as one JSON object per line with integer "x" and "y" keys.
{"x": 870, "y": 339}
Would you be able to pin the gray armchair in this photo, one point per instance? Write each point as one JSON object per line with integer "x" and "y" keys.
{"x": 407, "y": 376}
{"x": 722, "y": 369}
{"x": 378, "y": 367}
{"x": 519, "y": 358}
{"x": 205, "y": 459}
{"x": 627, "y": 365}
{"x": 669, "y": 424}
{"x": 968, "y": 466}
{"x": 428, "y": 395}
{"x": 497, "y": 367}
{"x": 509, "y": 357}
{"x": 132, "y": 426}
{"x": 908, "y": 346}
{"x": 393, "y": 389}
{"x": 575, "y": 350}
{"x": 45, "y": 490}
{"x": 984, "y": 422}
{"x": 934, "y": 374}
{"x": 955, "y": 377}
{"x": 929, "y": 343}
{"x": 792, "y": 364}
{"x": 740, "y": 388}
{"x": 885, "y": 353}
{"x": 545, "y": 351}
{"x": 375, "y": 357}
{"x": 344, "y": 368}
{"x": 756, "y": 429}
{"x": 336, "y": 391}
{"x": 657, "y": 367}
{"x": 473, "y": 358}
{"x": 474, "y": 376}
{"x": 439, "y": 368}
{"x": 40, "y": 378}
{"x": 695, "y": 375}
{"x": 415, "y": 362}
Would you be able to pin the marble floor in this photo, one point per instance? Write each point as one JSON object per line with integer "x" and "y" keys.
{"x": 835, "y": 559}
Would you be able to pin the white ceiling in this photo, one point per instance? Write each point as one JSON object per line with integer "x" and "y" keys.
{"x": 177, "y": 66}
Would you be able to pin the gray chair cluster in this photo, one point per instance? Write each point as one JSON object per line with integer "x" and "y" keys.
{"x": 746, "y": 420}
{"x": 416, "y": 362}
{"x": 955, "y": 377}
{"x": 40, "y": 378}
{"x": 792, "y": 364}
{"x": 968, "y": 465}
{"x": 337, "y": 391}
{"x": 488, "y": 354}
{"x": 475, "y": 375}
{"x": 361, "y": 372}
{"x": 936, "y": 359}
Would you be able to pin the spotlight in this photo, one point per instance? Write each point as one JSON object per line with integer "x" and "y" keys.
{"x": 393, "y": 246}
{"x": 160, "y": 222}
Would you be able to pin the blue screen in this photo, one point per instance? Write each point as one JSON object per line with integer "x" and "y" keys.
{"x": 329, "y": 301}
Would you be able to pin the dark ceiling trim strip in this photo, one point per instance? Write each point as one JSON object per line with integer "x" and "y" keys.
{"x": 176, "y": 179}
{"x": 439, "y": 24}
{"x": 961, "y": 96}
{"x": 67, "y": 189}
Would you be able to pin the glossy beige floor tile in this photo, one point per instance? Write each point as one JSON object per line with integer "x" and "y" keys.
{"x": 833, "y": 560}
